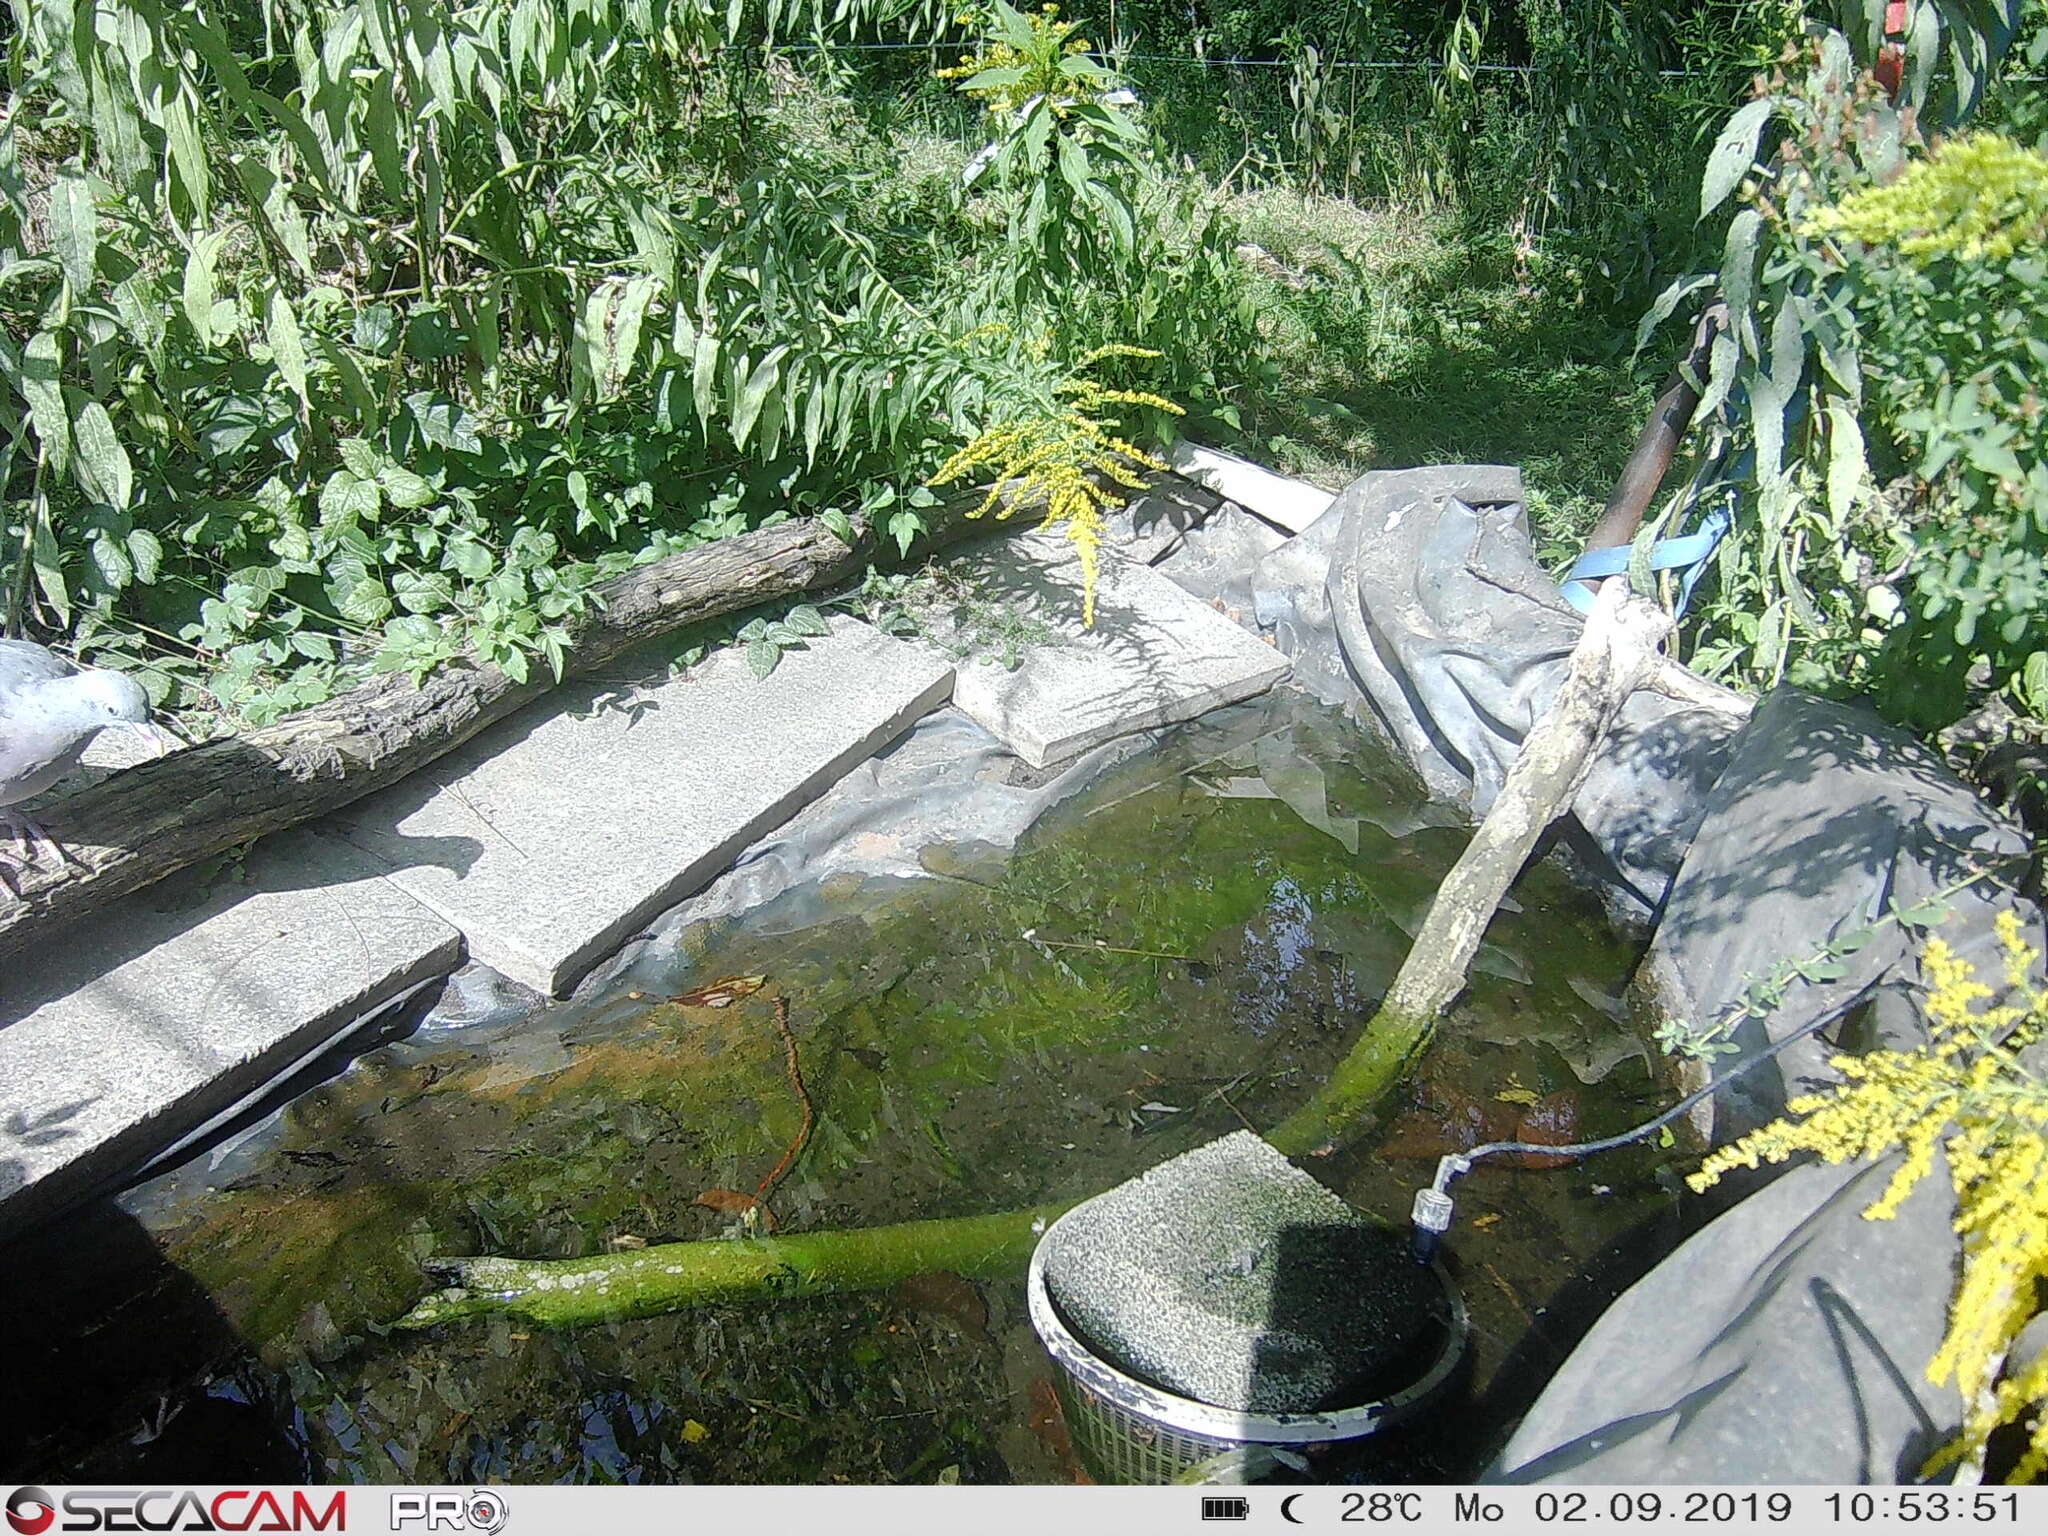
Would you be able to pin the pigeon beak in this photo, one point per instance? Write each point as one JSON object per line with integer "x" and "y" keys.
{"x": 159, "y": 738}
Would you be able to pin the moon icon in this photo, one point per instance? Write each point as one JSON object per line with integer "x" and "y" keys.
{"x": 1288, "y": 1514}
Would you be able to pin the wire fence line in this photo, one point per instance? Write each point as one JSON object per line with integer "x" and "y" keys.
{"x": 1201, "y": 61}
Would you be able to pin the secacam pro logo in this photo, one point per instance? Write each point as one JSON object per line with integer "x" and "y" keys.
{"x": 31, "y": 1511}
{"x": 481, "y": 1510}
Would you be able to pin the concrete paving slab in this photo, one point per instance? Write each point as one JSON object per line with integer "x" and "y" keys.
{"x": 554, "y": 836}
{"x": 143, "y": 1023}
{"x": 1156, "y": 656}
{"x": 1286, "y": 503}
{"x": 1156, "y": 523}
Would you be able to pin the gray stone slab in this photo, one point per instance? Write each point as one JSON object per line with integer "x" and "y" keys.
{"x": 1157, "y": 655}
{"x": 140, "y": 1025}
{"x": 1286, "y": 503}
{"x": 555, "y": 835}
{"x": 1154, "y": 524}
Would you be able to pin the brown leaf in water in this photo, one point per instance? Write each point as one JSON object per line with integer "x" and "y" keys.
{"x": 1048, "y": 1421}
{"x": 1448, "y": 1119}
{"x": 1552, "y": 1122}
{"x": 730, "y": 1202}
{"x": 722, "y": 993}
{"x": 945, "y": 1294}
{"x": 1444, "y": 1119}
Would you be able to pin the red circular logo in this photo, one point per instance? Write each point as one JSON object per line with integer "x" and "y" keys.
{"x": 30, "y": 1511}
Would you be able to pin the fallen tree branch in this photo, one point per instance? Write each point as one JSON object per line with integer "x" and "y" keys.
{"x": 158, "y": 817}
{"x": 1616, "y": 654}
{"x": 780, "y": 1171}
{"x": 567, "y": 1293}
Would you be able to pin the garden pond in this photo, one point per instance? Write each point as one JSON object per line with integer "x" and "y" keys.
{"x": 1183, "y": 949}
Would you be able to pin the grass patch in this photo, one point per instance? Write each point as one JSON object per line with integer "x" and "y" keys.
{"x": 1402, "y": 336}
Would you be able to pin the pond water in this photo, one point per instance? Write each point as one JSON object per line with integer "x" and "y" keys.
{"x": 1182, "y": 950}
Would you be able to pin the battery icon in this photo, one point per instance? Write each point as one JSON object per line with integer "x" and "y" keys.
{"x": 1215, "y": 1508}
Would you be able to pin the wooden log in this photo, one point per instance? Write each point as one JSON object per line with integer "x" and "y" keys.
{"x": 158, "y": 817}
{"x": 1617, "y": 653}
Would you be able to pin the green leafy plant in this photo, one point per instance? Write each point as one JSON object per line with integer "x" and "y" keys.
{"x": 1846, "y": 397}
{"x": 1068, "y": 157}
{"x": 1763, "y": 994}
{"x": 1948, "y": 269}
{"x": 767, "y": 639}
{"x": 363, "y": 336}
{"x": 354, "y": 337}
{"x": 1027, "y": 59}
{"x": 1104, "y": 238}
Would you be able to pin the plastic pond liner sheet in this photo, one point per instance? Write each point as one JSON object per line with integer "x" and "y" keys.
{"x": 1788, "y": 1341}
{"x": 1184, "y": 938}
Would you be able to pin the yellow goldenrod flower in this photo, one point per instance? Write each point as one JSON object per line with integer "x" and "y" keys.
{"x": 1059, "y": 453}
{"x": 1980, "y": 197}
{"x": 1040, "y": 76}
{"x": 1967, "y": 1094}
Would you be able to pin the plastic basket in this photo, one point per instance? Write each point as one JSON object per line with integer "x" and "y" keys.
{"x": 1128, "y": 1431}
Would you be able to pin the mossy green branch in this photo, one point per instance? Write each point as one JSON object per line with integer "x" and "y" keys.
{"x": 609, "y": 1287}
{"x": 1615, "y": 654}
{"x": 1341, "y": 1109}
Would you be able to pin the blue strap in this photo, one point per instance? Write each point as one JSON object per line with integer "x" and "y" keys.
{"x": 1688, "y": 553}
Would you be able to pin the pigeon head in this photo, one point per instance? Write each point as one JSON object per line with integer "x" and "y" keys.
{"x": 100, "y": 697}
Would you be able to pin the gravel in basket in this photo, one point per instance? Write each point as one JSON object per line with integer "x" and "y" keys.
{"x": 1230, "y": 1276}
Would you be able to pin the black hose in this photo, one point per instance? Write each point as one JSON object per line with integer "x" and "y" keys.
{"x": 1432, "y": 1213}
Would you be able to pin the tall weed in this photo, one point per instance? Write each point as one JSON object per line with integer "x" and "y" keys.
{"x": 353, "y": 335}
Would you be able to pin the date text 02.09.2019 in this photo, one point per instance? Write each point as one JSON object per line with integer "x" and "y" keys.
{"x": 1721, "y": 1507}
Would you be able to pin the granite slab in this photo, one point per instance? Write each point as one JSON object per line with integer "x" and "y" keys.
{"x": 151, "y": 1017}
{"x": 557, "y": 834}
{"x": 1157, "y": 655}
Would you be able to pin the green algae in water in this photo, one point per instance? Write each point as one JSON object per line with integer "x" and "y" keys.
{"x": 1185, "y": 949}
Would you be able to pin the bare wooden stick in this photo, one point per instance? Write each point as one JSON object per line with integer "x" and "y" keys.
{"x": 1617, "y": 653}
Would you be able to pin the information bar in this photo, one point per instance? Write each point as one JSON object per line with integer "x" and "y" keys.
{"x": 1000, "y": 1511}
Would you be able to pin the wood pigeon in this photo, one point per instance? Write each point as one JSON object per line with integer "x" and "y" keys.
{"x": 49, "y": 709}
